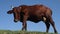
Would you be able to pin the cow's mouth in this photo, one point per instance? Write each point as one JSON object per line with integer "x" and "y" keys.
{"x": 16, "y": 20}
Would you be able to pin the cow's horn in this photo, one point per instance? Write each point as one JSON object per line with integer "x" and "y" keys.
{"x": 20, "y": 7}
{"x": 11, "y": 6}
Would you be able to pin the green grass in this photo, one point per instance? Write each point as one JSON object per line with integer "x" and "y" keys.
{"x": 21, "y": 32}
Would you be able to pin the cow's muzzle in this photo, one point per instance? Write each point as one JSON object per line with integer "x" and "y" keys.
{"x": 16, "y": 20}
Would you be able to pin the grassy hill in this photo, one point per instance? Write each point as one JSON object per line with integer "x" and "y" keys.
{"x": 21, "y": 32}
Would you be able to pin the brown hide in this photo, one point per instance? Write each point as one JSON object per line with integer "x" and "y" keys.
{"x": 33, "y": 13}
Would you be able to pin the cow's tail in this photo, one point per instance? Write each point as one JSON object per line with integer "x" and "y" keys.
{"x": 51, "y": 12}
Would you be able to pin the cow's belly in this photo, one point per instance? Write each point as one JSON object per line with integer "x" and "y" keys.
{"x": 34, "y": 19}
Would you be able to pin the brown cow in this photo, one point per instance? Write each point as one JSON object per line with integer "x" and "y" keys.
{"x": 33, "y": 13}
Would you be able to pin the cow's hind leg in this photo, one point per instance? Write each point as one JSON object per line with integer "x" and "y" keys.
{"x": 53, "y": 24}
{"x": 46, "y": 21}
{"x": 47, "y": 26}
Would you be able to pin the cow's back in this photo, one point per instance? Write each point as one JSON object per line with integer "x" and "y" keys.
{"x": 38, "y": 9}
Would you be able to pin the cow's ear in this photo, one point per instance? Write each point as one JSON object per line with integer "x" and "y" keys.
{"x": 10, "y": 12}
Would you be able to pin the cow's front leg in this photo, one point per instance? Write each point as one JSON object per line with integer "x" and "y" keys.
{"x": 24, "y": 24}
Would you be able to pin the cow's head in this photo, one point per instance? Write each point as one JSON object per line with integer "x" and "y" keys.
{"x": 16, "y": 12}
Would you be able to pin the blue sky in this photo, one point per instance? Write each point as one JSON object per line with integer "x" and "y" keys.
{"x": 7, "y": 23}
